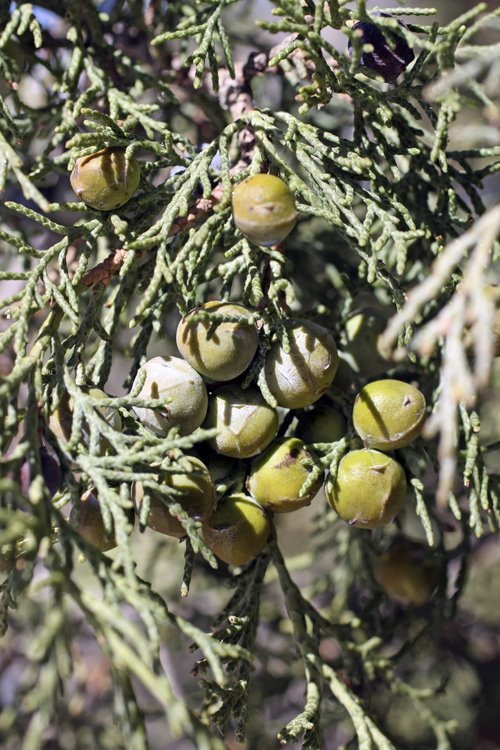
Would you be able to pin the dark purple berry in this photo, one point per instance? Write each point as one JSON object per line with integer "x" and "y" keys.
{"x": 384, "y": 60}
{"x": 51, "y": 470}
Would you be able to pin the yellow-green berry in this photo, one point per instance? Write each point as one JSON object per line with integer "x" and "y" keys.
{"x": 185, "y": 394}
{"x": 105, "y": 180}
{"x": 277, "y": 477}
{"x": 264, "y": 209}
{"x": 388, "y": 414}
{"x": 369, "y": 489}
{"x": 246, "y": 423}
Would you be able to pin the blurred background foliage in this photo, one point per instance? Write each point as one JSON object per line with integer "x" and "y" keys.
{"x": 96, "y": 649}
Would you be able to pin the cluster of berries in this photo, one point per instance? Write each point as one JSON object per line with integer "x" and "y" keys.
{"x": 218, "y": 341}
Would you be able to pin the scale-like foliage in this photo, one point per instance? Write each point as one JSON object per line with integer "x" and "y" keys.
{"x": 395, "y": 213}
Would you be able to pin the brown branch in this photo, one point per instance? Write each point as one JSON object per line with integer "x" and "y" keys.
{"x": 104, "y": 271}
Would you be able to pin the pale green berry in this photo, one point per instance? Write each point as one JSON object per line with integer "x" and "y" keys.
{"x": 302, "y": 376}
{"x": 264, "y": 209}
{"x": 246, "y": 423}
{"x": 184, "y": 391}
{"x": 229, "y": 350}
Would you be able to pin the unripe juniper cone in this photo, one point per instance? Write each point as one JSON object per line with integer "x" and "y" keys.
{"x": 91, "y": 525}
{"x": 61, "y": 419}
{"x": 277, "y": 477}
{"x": 227, "y": 351}
{"x": 408, "y": 571}
{"x": 237, "y": 530}
{"x": 264, "y": 209}
{"x": 388, "y": 60}
{"x": 300, "y": 377}
{"x": 321, "y": 424}
{"x": 172, "y": 379}
{"x": 194, "y": 491}
{"x": 105, "y": 180}
{"x": 369, "y": 489}
{"x": 360, "y": 347}
{"x": 245, "y": 421}
{"x": 388, "y": 414}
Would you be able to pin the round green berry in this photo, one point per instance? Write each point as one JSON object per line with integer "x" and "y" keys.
{"x": 246, "y": 423}
{"x": 264, "y": 209}
{"x": 194, "y": 491}
{"x": 237, "y": 531}
{"x": 369, "y": 489}
{"x": 183, "y": 389}
{"x": 300, "y": 377}
{"x": 277, "y": 477}
{"x": 229, "y": 349}
{"x": 388, "y": 414}
{"x": 105, "y": 180}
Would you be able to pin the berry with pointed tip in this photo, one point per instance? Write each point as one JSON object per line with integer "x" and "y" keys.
{"x": 105, "y": 180}
{"x": 237, "y": 531}
{"x": 277, "y": 477}
{"x": 264, "y": 209}
{"x": 369, "y": 489}
{"x": 229, "y": 349}
{"x": 172, "y": 379}
{"x": 388, "y": 414}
